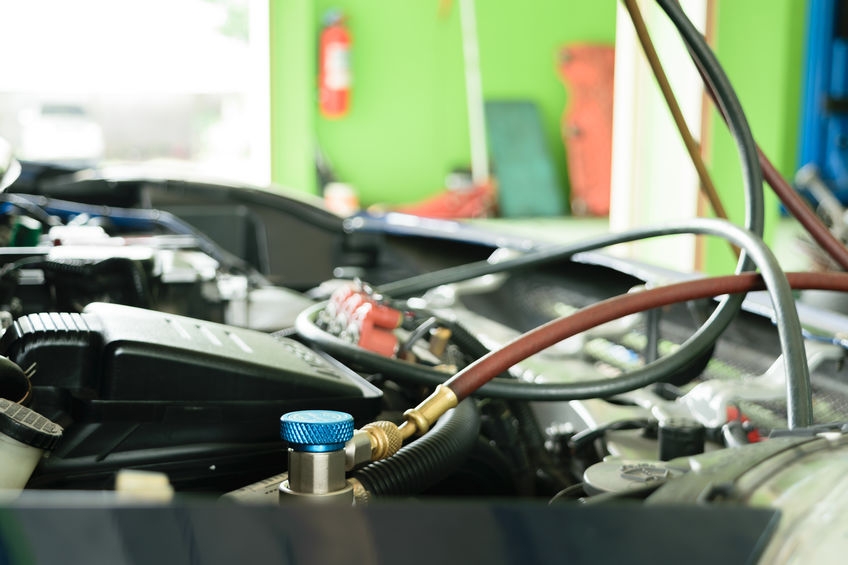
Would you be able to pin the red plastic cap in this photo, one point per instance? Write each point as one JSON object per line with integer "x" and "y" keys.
{"x": 380, "y": 341}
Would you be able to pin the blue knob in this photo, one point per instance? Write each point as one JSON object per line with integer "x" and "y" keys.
{"x": 316, "y": 430}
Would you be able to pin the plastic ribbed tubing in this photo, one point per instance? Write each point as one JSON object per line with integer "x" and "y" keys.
{"x": 429, "y": 459}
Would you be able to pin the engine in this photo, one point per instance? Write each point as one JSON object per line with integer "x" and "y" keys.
{"x": 210, "y": 372}
{"x": 138, "y": 364}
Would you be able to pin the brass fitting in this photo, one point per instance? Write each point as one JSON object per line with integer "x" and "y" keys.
{"x": 439, "y": 339}
{"x": 385, "y": 439}
{"x": 420, "y": 418}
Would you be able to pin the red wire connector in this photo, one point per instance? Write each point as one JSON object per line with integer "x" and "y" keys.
{"x": 354, "y": 314}
{"x": 345, "y": 313}
{"x": 327, "y": 317}
{"x": 364, "y": 330}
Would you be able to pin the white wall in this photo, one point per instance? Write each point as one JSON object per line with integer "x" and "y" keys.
{"x": 653, "y": 180}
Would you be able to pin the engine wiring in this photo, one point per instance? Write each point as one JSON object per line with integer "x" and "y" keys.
{"x": 582, "y": 439}
{"x": 582, "y": 320}
{"x": 29, "y": 208}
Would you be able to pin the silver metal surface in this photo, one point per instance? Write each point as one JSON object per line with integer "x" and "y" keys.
{"x": 357, "y": 450}
{"x": 342, "y": 496}
{"x": 316, "y": 473}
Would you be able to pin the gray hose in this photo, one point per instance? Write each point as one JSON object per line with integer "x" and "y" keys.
{"x": 429, "y": 459}
{"x": 799, "y": 406}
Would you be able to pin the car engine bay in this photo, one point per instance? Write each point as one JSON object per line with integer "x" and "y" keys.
{"x": 179, "y": 355}
{"x": 144, "y": 346}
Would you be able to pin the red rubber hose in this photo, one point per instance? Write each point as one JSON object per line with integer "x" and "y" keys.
{"x": 803, "y": 213}
{"x": 475, "y": 375}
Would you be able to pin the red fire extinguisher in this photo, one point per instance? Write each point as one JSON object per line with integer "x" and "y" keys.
{"x": 334, "y": 76}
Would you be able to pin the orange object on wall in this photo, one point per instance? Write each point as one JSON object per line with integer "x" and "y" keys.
{"x": 334, "y": 76}
{"x": 587, "y": 72}
{"x": 474, "y": 202}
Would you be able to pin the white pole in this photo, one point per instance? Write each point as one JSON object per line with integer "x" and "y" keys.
{"x": 474, "y": 94}
{"x": 653, "y": 181}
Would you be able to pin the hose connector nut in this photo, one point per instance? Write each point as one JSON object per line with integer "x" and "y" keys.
{"x": 385, "y": 439}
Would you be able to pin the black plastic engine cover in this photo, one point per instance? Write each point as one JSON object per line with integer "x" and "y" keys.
{"x": 144, "y": 389}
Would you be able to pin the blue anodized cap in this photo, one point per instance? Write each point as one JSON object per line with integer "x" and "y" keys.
{"x": 316, "y": 430}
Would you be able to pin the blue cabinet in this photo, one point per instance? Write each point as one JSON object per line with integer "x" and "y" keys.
{"x": 824, "y": 114}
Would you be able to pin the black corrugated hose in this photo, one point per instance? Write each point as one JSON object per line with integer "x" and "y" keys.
{"x": 429, "y": 459}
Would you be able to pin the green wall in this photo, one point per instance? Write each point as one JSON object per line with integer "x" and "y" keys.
{"x": 292, "y": 59}
{"x": 407, "y": 127}
{"x": 760, "y": 44}
{"x": 408, "y": 124}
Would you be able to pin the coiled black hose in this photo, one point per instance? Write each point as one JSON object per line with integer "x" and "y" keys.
{"x": 429, "y": 459}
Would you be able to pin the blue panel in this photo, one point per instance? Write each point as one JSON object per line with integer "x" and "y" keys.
{"x": 824, "y": 125}
{"x": 820, "y": 15}
{"x": 835, "y": 165}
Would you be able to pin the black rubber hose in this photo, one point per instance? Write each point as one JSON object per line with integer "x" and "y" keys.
{"x": 14, "y": 384}
{"x": 534, "y": 442}
{"x": 429, "y": 459}
{"x": 469, "y": 344}
{"x": 728, "y": 102}
{"x": 467, "y": 341}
